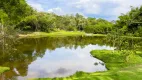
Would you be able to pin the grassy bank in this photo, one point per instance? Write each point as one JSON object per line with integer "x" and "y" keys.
{"x": 58, "y": 34}
{"x": 52, "y": 34}
{"x": 122, "y": 65}
{"x": 3, "y": 69}
{"x": 64, "y": 34}
{"x": 118, "y": 59}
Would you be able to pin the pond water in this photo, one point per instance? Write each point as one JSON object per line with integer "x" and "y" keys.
{"x": 64, "y": 62}
{"x": 51, "y": 57}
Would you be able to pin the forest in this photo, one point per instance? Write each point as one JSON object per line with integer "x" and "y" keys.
{"x": 17, "y": 15}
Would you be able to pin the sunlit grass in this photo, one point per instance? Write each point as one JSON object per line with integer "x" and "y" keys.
{"x": 54, "y": 34}
{"x": 3, "y": 69}
{"x": 63, "y": 33}
{"x": 58, "y": 34}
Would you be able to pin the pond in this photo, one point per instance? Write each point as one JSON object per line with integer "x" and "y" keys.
{"x": 51, "y": 56}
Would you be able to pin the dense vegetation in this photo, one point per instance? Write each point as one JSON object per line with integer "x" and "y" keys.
{"x": 47, "y": 22}
{"x": 17, "y": 14}
{"x": 11, "y": 13}
{"x": 131, "y": 23}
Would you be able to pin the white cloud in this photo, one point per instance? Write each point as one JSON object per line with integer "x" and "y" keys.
{"x": 124, "y": 6}
{"x": 88, "y": 7}
{"x": 96, "y": 7}
{"x": 56, "y": 10}
{"x": 36, "y": 6}
{"x": 103, "y": 8}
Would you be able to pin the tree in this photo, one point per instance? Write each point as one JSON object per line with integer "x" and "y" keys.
{"x": 80, "y": 22}
{"x": 3, "y": 19}
{"x": 16, "y": 10}
{"x": 98, "y": 26}
{"x": 132, "y": 20}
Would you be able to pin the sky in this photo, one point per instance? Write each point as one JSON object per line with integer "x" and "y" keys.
{"x": 107, "y": 9}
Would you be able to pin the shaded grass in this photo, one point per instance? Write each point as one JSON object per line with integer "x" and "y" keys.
{"x": 4, "y": 69}
{"x": 122, "y": 65}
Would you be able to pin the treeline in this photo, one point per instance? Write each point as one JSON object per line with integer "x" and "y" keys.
{"x": 131, "y": 22}
{"x": 46, "y": 22}
{"x": 19, "y": 15}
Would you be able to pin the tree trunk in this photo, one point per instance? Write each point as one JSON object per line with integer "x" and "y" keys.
{"x": 2, "y": 30}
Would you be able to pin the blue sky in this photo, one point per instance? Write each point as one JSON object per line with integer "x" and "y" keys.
{"x": 107, "y": 9}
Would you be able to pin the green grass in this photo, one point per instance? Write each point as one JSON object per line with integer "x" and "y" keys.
{"x": 118, "y": 59}
{"x": 64, "y": 34}
{"x": 131, "y": 37}
{"x": 53, "y": 34}
{"x": 57, "y": 34}
{"x": 99, "y": 35}
{"x": 122, "y": 65}
{"x": 4, "y": 69}
{"x": 90, "y": 34}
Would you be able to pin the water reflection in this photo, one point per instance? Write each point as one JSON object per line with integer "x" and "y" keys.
{"x": 63, "y": 62}
{"x": 51, "y": 57}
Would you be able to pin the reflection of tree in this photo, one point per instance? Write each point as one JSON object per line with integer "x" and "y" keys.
{"x": 14, "y": 58}
{"x": 18, "y": 54}
{"x": 127, "y": 43}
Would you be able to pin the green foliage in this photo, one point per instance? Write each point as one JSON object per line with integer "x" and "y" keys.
{"x": 19, "y": 14}
{"x": 98, "y": 26}
{"x": 15, "y": 9}
{"x": 132, "y": 22}
{"x": 47, "y": 22}
{"x": 11, "y": 13}
{"x": 3, "y": 17}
